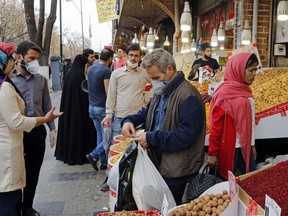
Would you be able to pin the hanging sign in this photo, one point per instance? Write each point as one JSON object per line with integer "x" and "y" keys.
{"x": 106, "y": 10}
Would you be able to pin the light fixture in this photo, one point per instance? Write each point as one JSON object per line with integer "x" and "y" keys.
{"x": 193, "y": 46}
{"x": 183, "y": 49}
{"x": 221, "y": 32}
{"x": 150, "y": 39}
{"x": 214, "y": 40}
{"x": 246, "y": 34}
{"x": 282, "y": 11}
{"x": 135, "y": 39}
{"x": 185, "y": 36}
{"x": 155, "y": 35}
{"x": 142, "y": 43}
{"x": 222, "y": 46}
{"x": 186, "y": 18}
{"x": 166, "y": 42}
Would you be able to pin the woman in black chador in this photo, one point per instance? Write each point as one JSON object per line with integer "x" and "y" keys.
{"x": 76, "y": 132}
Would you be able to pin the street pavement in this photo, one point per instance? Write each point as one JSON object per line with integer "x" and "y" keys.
{"x": 68, "y": 190}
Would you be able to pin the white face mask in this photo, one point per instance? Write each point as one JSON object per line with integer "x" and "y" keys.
{"x": 132, "y": 65}
{"x": 32, "y": 67}
{"x": 158, "y": 86}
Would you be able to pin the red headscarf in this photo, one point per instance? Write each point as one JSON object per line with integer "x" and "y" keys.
{"x": 232, "y": 96}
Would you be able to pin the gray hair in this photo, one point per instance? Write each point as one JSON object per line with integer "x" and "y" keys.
{"x": 159, "y": 57}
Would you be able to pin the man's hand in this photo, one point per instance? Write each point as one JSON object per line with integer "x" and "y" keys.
{"x": 128, "y": 129}
{"x": 51, "y": 115}
{"x": 53, "y": 137}
{"x": 212, "y": 160}
{"x": 141, "y": 139}
{"x": 107, "y": 119}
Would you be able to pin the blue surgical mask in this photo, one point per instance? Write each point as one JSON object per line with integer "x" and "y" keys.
{"x": 158, "y": 86}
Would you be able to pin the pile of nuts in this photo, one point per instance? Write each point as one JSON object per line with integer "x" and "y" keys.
{"x": 206, "y": 205}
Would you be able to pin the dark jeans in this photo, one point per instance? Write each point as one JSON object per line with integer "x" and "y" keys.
{"x": 239, "y": 163}
{"x": 34, "y": 149}
{"x": 178, "y": 192}
{"x": 8, "y": 202}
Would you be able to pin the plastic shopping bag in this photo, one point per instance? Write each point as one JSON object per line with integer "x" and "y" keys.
{"x": 107, "y": 132}
{"x": 148, "y": 185}
{"x": 114, "y": 176}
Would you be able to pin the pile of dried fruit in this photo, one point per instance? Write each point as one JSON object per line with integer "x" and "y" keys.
{"x": 271, "y": 181}
{"x": 270, "y": 88}
{"x": 208, "y": 204}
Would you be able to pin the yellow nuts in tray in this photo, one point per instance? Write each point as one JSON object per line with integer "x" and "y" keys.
{"x": 121, "y": 147}
{"x": 114, "y": 159}
{"x": 270, "y": 88}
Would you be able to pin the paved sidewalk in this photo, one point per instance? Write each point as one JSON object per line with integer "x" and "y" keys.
{"x": 68, "y": 190}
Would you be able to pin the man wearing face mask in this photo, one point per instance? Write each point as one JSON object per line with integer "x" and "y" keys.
{"x": 98, "y": 81}
{"x": 34, "y": 88}
{"x": 174, "y": 123}
{"x": 126, "y": 92}
{"x": 206, "y": 62}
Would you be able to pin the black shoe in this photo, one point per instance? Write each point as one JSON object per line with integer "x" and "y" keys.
{"x": 92, "y": 162}
{"x": 30, "y": 212}
{"x": 103, "y": 167}
{"x": 105, "y": 187}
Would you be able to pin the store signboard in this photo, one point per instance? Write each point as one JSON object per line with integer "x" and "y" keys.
{"x": 106, "y": 10}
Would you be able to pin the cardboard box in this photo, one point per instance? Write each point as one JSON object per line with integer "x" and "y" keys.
{"x": 244, "y": 198}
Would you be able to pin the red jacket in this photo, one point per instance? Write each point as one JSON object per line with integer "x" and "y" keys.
{"x": 222, "y": 141}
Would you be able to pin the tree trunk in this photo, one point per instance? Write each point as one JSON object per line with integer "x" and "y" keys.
{"x": 36, "y": 35}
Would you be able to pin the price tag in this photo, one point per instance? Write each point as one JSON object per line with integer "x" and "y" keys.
{"x": 232, "y": 185}
{"x": 164, "y": 207}
{"x": 271, "y": 207}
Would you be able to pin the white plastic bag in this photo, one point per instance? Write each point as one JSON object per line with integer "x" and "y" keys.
{"x": 113, "y": 177}
{"x": 148, "y": 185}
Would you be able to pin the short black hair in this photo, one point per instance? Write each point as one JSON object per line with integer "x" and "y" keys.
{"x": 252, "y": 60}
{"x": 205, "y": 46}
{"x": 96, "y": 55}
{"x": 87, "y": 52}
{"x": 24, "y": 46}
{"x": 122, "y": 47}
{"x": 133, "y": 47}
{"x": 106, "y": 53}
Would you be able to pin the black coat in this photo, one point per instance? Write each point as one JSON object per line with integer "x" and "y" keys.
{"x": 76, "y": 132}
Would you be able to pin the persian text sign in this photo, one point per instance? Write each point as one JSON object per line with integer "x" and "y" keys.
{"x": 106, "y": 10}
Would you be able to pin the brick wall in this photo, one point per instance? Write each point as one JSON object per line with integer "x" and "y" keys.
{"x": 262, "y": 28}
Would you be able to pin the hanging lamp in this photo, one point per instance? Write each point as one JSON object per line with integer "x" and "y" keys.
{"x": 155, "y": 35}
{"x": 282, "y": 11}
{"x": 222, "y": 46}
{"x": 246, "y": 34}
{"x": 214, "y": 40}
{"x": 193, "y": 46}
{"x": 185, "y": 36}
{"x": 186, "y": 18}
{"x": 135, "y": 39}
{"x": 221, "y": 32}
{"x": 150, "y": 39}
{"x": 142, "y": 43}
{"x": 166, "y": 42}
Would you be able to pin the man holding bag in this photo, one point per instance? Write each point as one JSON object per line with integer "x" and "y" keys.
{"x": 174, "y": 123}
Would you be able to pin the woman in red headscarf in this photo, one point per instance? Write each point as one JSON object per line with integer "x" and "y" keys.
{"x": 232, "y": 115}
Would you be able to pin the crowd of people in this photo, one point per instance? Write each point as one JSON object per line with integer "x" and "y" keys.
{"x": 172, "y": 115}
